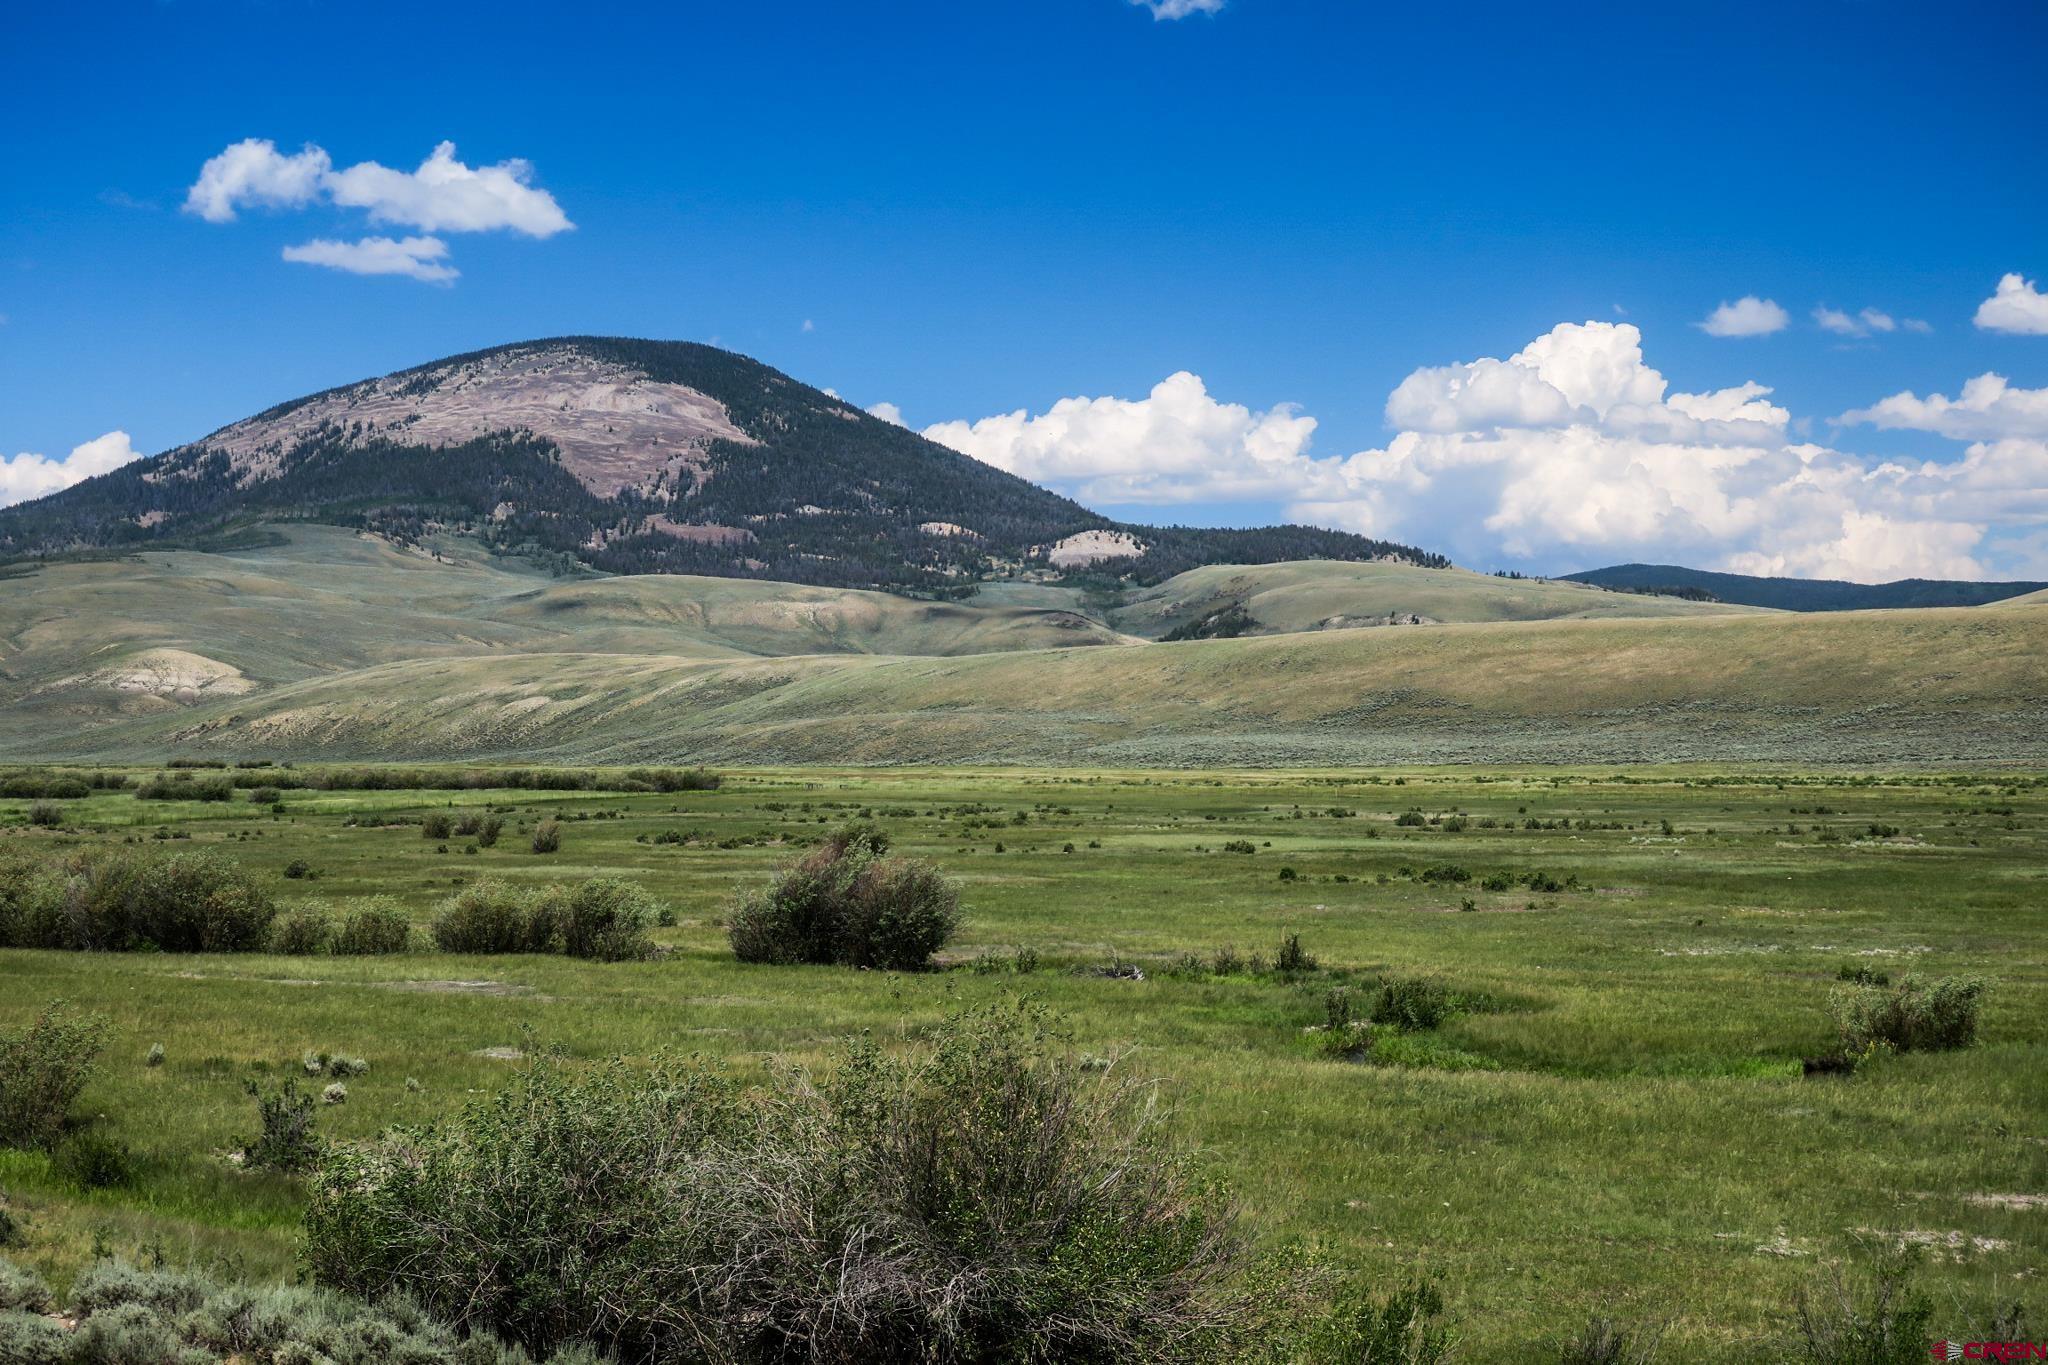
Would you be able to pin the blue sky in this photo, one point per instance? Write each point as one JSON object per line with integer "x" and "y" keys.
{"x": 985, "y": 208}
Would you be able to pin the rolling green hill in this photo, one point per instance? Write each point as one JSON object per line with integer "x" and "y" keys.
{"x": 1319, "y": 595}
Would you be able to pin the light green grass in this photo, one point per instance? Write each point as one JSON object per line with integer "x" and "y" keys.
{"x": 1622, "y": 1130}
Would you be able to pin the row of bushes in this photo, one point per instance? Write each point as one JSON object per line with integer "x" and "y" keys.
{"x": 372, "y": 927}
{"x": 117, "y": 900}
{"x": 183, "y": 779}
{"x": 605, "y": 919}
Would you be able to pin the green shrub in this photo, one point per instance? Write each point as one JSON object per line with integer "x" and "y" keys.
{"x": 1413, "y": 1002}
{"x": 29, "y": 1339}
{"x": 547, "y": 837}
{"x": 607, "y": 920}
{"x": 375, "y": 927}
{"x": 298, "y": 870}
{"x": 1883, "y": 1319}
{"x": 284, "y": 1138}
{"x": 488, "y": 830}
{"x": 492, "y": 916}
{"x": 117, "y": 900}
{"x": 93, "y": 1161}
{"x": 41, "y": 1073}
{"x": 303, "y": 930}
{"x": 1916, "y": 1015}
{"x": 46, "y": 814}
{"x": 984, "y": 1200}
{"x": 265, "y": 796}
{"x": 437, "y": 825}
{"x": 846, "y": 904}
{"x": 1603, "y": 1341}
{"x": 1408, "y": 1327}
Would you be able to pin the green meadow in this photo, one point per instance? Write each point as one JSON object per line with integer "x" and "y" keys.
{"x": 1620, "y": 1122}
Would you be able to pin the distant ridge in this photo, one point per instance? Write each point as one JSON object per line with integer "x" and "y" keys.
{"x": 635, "y": 457}
{"x": 1805, "y": 594}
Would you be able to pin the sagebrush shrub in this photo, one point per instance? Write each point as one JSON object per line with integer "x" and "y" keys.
{"x": 844, "y": 903}
{"x": 42, "y": 1071}
{"x": 983, "y": 1200}
{"x": 1603, "y": 1341}
{"x": 1883, "y": 1319}
{"x": 1915, "y": 1015}
{"x": 374, "y": 927}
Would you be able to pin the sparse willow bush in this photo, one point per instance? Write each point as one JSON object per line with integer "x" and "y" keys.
{"x": 284, "y": 1137}
{"x": 303, "y": 930}
{"x": 119, "y": 899}
{"x": 1406, "y": 1327}
{"x": 42, "y": 1071}
{"x": 46, "y": 814}
{"x": 93, "y": 1160}
{"x": 1881, "y": 1318}
{"x": 1915, "y": 1015}
{"x": 488, "y": 829}
{"x": 436, "y": 825}
{"x": 1603, "y": 1341}
{"x": 845, "y": 903}
{"x": 985, "y": 1199}
{"x": 129, "y": 1316}
{"x": 374, "y": 927}
{"x": 547, "y": 836}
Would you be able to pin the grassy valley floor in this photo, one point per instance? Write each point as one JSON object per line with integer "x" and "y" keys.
{"x": 1622, "y": 1127}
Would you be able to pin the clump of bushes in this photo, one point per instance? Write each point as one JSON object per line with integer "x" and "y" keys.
{"x": 1413, "y": 1002}
{"x": 42, "y": 1071}
{"x": 847, "y": 903}
{"x": 605, "y": 919}
{"x": 183, "y": 786}
{"x": 45, "y": 814}
{"x": 375, "y": 927}
{"x": 985, "y": 1199}
{"x": 131, "y": 1316}
{"x": 93, "y": 1160}
{"x": 116, "y": 900}
{"x": 436, "y": 825}
{"x": 1917, "y": 1014}
{"x": 303, "y": 930}
{"x": 547, "y": 836}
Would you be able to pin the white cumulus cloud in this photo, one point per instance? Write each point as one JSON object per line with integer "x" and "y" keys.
{"x": 28, "y": 476}
{"x": 1748, "y": 316}
{"x": 441, "y": 195}
{"x": 1180, "y": 9}
{"x": 1988, "y": 408}
{"x": 889, "y": 413}
{"x": 1572, "y": 451}
{"x": 419, "y": 258}
{"x": 1863, "y": 323}
{"x": 2017, "y": 307}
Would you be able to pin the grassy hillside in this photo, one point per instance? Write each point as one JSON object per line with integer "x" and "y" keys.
{"x": 1921, "y": 686}
{"x": 1319, "y": 594}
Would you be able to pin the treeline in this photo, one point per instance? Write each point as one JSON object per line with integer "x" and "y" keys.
{"x": 192, "y": 779}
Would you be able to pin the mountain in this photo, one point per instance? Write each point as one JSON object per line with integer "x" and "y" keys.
{"x": 1802, "y": 594}
{"x": 633, "y": 457}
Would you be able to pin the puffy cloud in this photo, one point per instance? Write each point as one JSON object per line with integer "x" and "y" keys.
{"x": 1175, "y": 445}
{"x": 889, "y": 413}
{"x": 1572, "y": 451}
{"x": 2017, "y": 306}
{"x": 442, "y": 195}
{"x": 419, "y": 258}
{"x": 253, "y": 171}
{"x": 1748, "y": 316}
{"x": 27, "y": 477}
{"x": 1180, "y": 9}
{"x": 1989, "y": 408}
